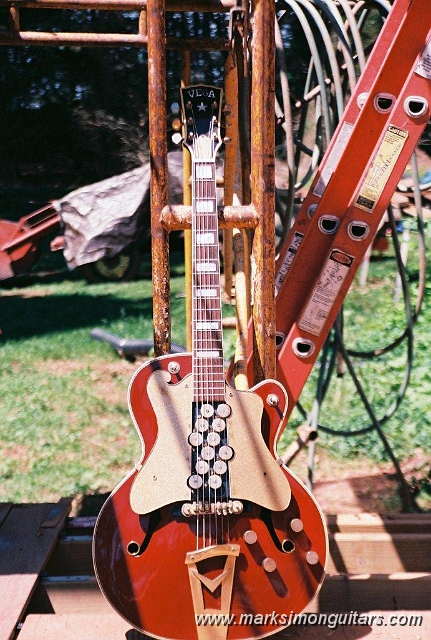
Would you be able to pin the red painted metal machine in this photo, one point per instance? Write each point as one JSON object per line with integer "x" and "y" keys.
{"x": 19, "y": 240}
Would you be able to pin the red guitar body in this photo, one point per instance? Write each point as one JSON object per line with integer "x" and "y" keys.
{"x": 140, "y": 560}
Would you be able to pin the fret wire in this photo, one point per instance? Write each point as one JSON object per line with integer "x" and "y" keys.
{"x": 209, "y": 371}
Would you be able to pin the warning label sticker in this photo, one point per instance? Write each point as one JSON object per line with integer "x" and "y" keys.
{"x": 381, "y": 168}
{"x": 333, "y": 159}
{"x": 325, "y": 292}
{"x": 288, "y": 258}
{"x": 424, "y": 67}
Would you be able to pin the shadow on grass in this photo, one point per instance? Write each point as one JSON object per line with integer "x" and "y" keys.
{"x": 25, "y": 317}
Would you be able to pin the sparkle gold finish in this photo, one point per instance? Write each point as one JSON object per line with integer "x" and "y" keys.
{"x": 163, "y": 478}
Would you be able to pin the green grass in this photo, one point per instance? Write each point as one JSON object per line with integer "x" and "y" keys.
{"x": 65, "y": 427}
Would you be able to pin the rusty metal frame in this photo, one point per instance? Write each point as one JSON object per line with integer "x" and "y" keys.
{"x": 259, "y": 214}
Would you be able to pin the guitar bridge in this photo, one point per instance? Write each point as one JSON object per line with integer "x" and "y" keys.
{"x": 190, "y": 509}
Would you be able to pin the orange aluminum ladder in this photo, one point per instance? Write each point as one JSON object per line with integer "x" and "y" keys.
{"x": 346, "y": 202}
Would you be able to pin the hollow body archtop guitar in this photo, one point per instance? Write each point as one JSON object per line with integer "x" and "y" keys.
{"x": 210, "y": 536}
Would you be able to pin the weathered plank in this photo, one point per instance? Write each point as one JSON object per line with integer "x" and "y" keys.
{"x": 73, "y": 626}
{"x": 378, "y": 625}
{"x": 27, "y": 537}
{"x": 357, "y": 544}
{"x": 380, "y": 523}
{"x": 407, "y": 591}
{"x": 5, "y": 507}
{"x": 379, "y": 552}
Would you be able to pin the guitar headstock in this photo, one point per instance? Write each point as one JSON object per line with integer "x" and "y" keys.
{"x": 201, "y": 107}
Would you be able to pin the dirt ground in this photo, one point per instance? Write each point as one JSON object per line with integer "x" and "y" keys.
{"x": 345, "y": 486}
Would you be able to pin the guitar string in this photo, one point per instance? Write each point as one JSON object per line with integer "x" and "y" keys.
{"x": 197, "y": 374}
{"x": 207, "y": 377}
{"x": 201, "y": 335}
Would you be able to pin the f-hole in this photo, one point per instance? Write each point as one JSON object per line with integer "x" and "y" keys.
{"x": 287, "y": 546}
{"x": 135, "y": 548}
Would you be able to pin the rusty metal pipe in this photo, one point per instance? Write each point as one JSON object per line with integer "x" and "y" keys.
{"x": 177, "y": 217}
{"x": 120, "y": 5}
{"x": 138, "y": 40}
{"x": 159, "y": 174}
{"x": 263, "y": 186}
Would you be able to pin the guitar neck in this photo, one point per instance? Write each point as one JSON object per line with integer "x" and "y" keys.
{"x": 208, "y": 364}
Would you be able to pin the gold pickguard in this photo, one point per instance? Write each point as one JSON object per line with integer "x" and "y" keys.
{"x": 254, "y": 474}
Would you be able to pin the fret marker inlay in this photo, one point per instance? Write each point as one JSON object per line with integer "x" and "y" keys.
{"x": 205, "y": 238}
{"x": 205, "y": 206}
{"x": 206, "y": 293}
{"x": 206, "y": 267}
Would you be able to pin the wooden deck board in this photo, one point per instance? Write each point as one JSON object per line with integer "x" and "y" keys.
{"x": 380, "y": 546}
{"x": 112, "y": 627}
{"x": 28, "y": 534}
{"x": 5, "y": 507}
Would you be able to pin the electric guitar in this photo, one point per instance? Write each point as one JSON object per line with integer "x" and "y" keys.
{"x": 210, "y": 536}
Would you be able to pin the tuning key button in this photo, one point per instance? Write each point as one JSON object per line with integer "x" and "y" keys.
{"x": 223, "y": 410}
{"x": 201, "y": 424}
{"x": 218, "y": 424}
{"x": 225, "y": 452}
{"x": 202, "y": 467}
{"x": 220, "y": 467}
{"x": 213, "y": 439}
{"x": 250, "y": 537}
{"x": 195, "y": 482}
{"x": 312, "y": 557}
{"x": 269, "y": 565}
{"x": 207, "y": 410}
{"x": 215, "y": 482}
{"x": 195, "y": 439}
{"x": 296, "y": 525}
{"x": 207, "y": 453}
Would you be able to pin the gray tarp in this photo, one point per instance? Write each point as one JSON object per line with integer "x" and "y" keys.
{"x": 102, "y": 219}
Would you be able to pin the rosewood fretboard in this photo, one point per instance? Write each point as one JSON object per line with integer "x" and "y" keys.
{"x": 208, "y": 364}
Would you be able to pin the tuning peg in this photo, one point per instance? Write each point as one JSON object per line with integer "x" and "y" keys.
{"x": 177, "y": 138}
